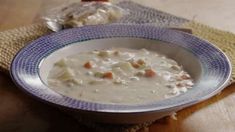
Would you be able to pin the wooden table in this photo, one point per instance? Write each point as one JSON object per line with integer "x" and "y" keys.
{"x": 21, "y": 113}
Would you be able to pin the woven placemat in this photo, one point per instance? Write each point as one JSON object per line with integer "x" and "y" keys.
{"x": 12, "y": 41}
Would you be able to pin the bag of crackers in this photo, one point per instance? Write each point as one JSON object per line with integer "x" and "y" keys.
{"x": 86, "y": 12}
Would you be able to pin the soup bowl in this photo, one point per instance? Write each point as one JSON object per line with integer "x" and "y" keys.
{"x": 209, "y": 67}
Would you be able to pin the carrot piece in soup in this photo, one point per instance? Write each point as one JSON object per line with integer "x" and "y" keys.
{"x": 149, "y": 73}
{"x": 88, "y": 65}
{"x": 108, "y": 75}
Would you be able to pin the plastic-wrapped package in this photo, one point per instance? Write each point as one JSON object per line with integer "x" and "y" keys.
{"x": 82, "y": 13}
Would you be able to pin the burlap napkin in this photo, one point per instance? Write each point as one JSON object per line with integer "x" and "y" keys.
{"x": 12, "y": 41}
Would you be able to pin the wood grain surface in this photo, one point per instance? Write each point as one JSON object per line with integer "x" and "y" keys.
{"x": 21, "y": 113}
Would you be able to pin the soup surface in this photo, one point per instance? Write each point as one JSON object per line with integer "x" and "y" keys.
{"x": 119, "y": 76}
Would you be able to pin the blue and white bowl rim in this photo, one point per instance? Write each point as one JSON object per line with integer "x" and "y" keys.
{"x": 26, "y": 64}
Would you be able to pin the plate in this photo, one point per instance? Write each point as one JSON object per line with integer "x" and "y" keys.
{"x": 209, "y": 67}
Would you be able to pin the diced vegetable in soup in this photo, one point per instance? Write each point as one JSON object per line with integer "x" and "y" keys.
{"x": 119, "y": 76}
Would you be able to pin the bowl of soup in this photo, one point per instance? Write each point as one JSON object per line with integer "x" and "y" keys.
{"x": 122, "y": 74}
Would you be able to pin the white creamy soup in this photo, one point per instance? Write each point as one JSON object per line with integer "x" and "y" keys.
{"x": 119, "y": 76}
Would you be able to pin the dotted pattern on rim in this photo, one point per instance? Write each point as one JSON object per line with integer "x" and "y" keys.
{"x": 216, "y": 67}
{"x": 224, "y": 40}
